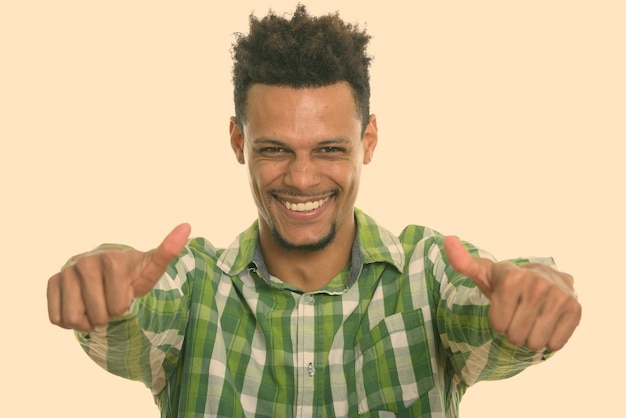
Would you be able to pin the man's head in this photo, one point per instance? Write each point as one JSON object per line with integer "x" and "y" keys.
{"x": 302, "y": 103}
{"x": 301, "y": 52}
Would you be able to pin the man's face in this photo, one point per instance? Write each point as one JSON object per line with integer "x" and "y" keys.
{"x": 304, "y": 151}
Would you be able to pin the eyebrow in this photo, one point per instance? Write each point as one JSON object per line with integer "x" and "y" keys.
{"x": 268, "y": 141}
{"x": 334, "y": 141}
{"x": 276, "y": 142}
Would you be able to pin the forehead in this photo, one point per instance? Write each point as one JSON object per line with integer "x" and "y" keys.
{"x": 274, "y": 110}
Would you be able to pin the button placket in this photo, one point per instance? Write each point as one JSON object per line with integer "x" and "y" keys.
{"x": 306, "y": 354}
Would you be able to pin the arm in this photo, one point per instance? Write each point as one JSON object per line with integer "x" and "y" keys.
{"x": 496, "y": 319}
{"x": 93, "y": 294}
{"x": 533, "y": 304}
{"x": 145, "y": 344}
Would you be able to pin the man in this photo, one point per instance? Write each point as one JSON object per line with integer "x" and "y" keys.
{"x": 315, "y": 310}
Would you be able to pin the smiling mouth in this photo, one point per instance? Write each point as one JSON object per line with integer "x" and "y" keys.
{"x": 304, "y": 206}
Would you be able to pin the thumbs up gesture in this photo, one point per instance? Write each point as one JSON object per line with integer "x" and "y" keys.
{"x": 532, "y": 304}
{"x": 101, "y": 284}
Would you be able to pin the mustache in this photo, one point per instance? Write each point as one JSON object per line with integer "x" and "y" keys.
{"x": 318, "y": 194}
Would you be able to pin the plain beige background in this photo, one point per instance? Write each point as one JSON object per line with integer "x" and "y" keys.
{"x": 507, "y": 120}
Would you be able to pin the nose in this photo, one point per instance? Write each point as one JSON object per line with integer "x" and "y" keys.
{"x": 301, "y": 173}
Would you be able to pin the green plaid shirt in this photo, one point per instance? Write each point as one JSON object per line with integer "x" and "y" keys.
{"x": 397, "y": 333}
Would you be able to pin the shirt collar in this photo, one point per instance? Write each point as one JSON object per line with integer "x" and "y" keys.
{"x": 373, "y": 244}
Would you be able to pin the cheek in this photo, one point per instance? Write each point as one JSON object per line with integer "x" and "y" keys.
{"x": 345, "y": 174}
{"x": 253, "y": 178}
{"x": 263, "y": 176}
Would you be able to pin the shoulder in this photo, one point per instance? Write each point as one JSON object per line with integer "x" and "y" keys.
{"x": 202, "y": 247}
{"x": 409, "y": 236}
{"x": 414, "y": 243}
{"x": 198, "y": 255}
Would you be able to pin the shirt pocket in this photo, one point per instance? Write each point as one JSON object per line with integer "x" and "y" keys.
{"x": 392, "y": 364}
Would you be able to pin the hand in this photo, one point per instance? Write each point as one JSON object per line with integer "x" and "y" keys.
{"x": 101, "y": 284}
{"x": 533, "y": 304}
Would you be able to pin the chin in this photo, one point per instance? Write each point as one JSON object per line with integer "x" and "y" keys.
{"x": 311, "y": 246}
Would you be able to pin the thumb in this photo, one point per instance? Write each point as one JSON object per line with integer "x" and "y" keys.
{"x": 476, "y": 268}
{"x": 158, "y": 259}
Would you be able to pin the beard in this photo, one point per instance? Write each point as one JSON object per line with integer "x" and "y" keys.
{"x": 315, "y": 246}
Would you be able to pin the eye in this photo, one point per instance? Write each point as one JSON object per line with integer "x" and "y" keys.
{"x": 332, "y": 150}
{"x": 272, "y": 150}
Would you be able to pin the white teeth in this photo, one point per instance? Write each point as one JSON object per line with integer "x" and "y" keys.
{"x": 303, "y": 207}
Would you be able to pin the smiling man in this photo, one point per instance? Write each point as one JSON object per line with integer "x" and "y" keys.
{"x": 315, "y": 309}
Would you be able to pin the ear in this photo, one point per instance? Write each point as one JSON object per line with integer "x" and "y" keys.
{"x": 370, "y": 139}
{"x": 236, "y": 140}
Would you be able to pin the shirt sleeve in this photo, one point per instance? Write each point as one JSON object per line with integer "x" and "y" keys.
{"x": 144, "y": 344}
{"x": 475, "y": 351}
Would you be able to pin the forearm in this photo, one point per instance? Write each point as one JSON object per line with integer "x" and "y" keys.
{"x": 121, "y": 348}
{"x": 144, "y": 344}
{"x": 475, "y": 351}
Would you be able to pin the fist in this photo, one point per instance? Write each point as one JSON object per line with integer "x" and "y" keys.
{"x": 532, "y": 304}
{"x": 101, "y": 284}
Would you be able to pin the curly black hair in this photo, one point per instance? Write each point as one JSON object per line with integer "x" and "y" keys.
{"x": 302, "y": 52}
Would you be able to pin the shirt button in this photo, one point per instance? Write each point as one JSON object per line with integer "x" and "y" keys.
{"x": 311, "y": 370}
{"x": 309, "y": 300}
